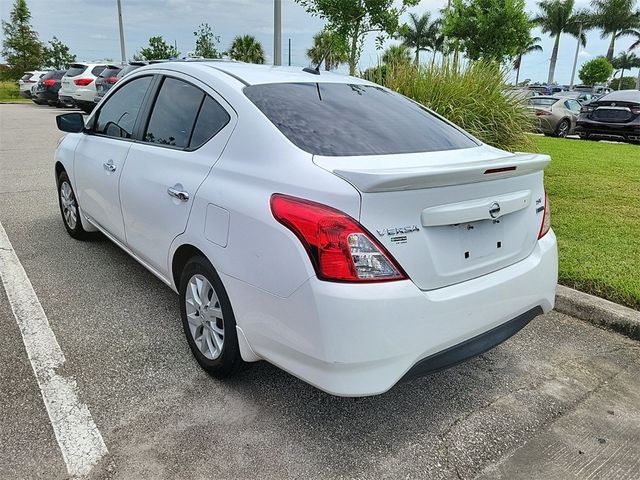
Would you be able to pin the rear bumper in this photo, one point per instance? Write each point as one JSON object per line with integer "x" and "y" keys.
{"x": 66, "y": 100}
{"x": 356, "y": 340}
{"x": 25, "y": 93}
{"x": 588, "y": 128}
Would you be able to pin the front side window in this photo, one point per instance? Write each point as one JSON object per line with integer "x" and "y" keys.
{"x": 573, "y": 105}
{"x": 174, "y": 114}
{"x": 118, "y": 115}
{"x": 339, "y": 119}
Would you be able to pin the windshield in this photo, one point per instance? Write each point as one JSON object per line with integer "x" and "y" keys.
{"x": 338, "y": 119}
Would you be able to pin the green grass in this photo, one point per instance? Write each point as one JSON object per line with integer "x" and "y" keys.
{"x": 9, "y": 92}
{"x": 594, "y": 189}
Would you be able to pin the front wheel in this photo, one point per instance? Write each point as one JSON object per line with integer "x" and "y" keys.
{"x": 208, "y": 320}
{"x": 69, "y": 208}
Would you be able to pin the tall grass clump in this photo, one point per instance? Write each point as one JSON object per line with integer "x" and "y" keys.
{"x": 473, "y": 96}
{"x": 9, "y": 91}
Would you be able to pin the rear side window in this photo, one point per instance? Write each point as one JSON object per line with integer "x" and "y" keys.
{"x": 76, "y": 69}
{"x": 118, "y": 115}
{"x": 211, "y": 120}
{"x": 174, "y": 114}
{"x": 573, "y": 105}
{"x": 337, "y": 119}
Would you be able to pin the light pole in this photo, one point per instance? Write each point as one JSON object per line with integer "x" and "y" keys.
{"x": 277, "y": 32}
{"x": 122, "y": 51}
{"x": 575, "y": 58}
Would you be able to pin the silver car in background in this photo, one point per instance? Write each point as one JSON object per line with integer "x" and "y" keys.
{"x": 556, "y": 115}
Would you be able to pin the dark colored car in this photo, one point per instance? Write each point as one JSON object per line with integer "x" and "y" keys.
{"x": 615, "y": 115}
{"x": 46, "y": 90}
{"x": 111, "y": 75}
{"x": 106, "y": 80}
{"x": 546, "y": 89}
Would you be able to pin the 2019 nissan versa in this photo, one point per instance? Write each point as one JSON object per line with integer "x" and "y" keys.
{"x": 320, "y": 222}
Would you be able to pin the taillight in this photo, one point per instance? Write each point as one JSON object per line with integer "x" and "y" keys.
{"x": 49, "y": 83}
{"x": 340, "y": 249}
{"x": 111, "y": 80}
{"x": 540, "y": 113}
{"x": 546, "y": 218}
{"x": 83, "y": 82}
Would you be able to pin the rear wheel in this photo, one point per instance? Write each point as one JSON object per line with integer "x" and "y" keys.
{"x": 208, "y": 320}
{"x": 69, "y": 208}
{"x": 562, "y": 130}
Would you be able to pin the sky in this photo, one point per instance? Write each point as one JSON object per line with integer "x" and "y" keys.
{"x": 90, "y": 29}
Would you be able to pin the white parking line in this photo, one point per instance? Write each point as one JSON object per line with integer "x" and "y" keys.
{"x": 77, "y": 435}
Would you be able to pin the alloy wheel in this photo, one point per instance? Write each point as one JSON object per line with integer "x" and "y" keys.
{"x": 69, "y": 206}
{"x": 204, "y": 314}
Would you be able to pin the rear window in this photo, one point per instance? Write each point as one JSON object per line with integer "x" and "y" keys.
{"x": 76, "y": 69}
{"x": 26, "y": 77}
{"x": 97, "y": 70}
{"x": 126, "y": 69}
{"x": 59, "y": 74}
{"x": 543, "y": 101}
{"x": 110, "y": 72}
{"x": 338, "y": 119}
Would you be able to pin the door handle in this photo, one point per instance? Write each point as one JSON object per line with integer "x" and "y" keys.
{"x": 109, "y": 166}
{"x": 177, "y": 192}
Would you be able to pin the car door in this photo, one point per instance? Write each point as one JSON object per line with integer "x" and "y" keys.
{"x": 101, "y": 155}
{"x": 185, "y": 134}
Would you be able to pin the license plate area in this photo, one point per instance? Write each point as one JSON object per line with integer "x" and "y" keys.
{"x": 481, "y": 239}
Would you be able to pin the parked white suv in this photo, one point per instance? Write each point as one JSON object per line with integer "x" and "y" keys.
{"x": 320, "y": 222}
{"x": 78, "y": 86}
{"x": 28, "y": 81}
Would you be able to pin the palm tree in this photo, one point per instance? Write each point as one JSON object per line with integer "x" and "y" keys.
{"x": 635, "y": 32}
{"x": 420, "y": 34}
{"x": 625, "y": 61}
{"x": 397, "y": 55}
{"x": 246, "y": 49}
{"x": 531, "y": 46}
{"x": 555, "y": 18}
{"x": 615, "y": 17}
{"x": 329, "y": 46}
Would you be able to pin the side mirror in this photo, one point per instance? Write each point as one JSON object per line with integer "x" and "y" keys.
{"x": 70, "y": 122}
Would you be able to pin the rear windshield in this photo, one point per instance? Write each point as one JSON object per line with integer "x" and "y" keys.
{"x": 110, "y": 72}
{"x": 126, "y": 69}
{"x": 26, "y": 77}
{"x": 76, "y": 69}
{"x": 546, "y": 101}
{"x": 338, "y": 119}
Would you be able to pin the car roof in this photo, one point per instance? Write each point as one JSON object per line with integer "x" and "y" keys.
{"x": 622, "y": 96}
{"x": 252, "y": 74}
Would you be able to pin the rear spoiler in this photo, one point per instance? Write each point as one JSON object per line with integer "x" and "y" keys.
{"x": 407, "y": 175}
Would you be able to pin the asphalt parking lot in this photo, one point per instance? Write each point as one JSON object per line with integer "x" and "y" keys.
{"x": 559, "y": 400}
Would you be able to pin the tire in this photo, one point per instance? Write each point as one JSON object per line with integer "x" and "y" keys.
{"x": 69, "y": 208}
{"x": 562, "y": 130}
{"x": 208, "y": 320}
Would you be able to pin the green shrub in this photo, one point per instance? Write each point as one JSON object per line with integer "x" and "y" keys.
{"x": 9, "y": 91}
{"x": 473, "y": 97}
{"x": 628, "y": 83}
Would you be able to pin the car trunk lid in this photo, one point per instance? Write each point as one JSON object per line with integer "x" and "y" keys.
{"x": 451, "y": 216}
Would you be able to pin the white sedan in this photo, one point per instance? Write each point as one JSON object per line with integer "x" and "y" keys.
{"x": 320, "y": 222}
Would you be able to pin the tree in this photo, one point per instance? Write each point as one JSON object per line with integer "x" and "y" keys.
{"x": 557, "y": 17}
{"x": 625, "y": 61}
{"x": 329, "y": 46}
{"x": 246, "y": 49}
{"x": 206, "y": 42}
{"x": 531, "y": 46}
{"x": 158, "y": 49}
{"x": 613, "y": 17}
{"x": 420, "y": 34}
{"x": 353, "y": 19}
{"x": 623, "y": 83}
{"x": 595, "y": 71}
{"x": 21, "y": 47}
{"x": 57, "y": 55}
{"x": 397, "y": 55}
{"x": 488, "y": 29}
{"x": 636, "y": 44}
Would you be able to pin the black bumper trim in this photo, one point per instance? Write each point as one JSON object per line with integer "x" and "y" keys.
{"x": 472, "y": 347}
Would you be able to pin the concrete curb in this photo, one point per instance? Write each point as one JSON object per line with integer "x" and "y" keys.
{"x": 598, "y": 311}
